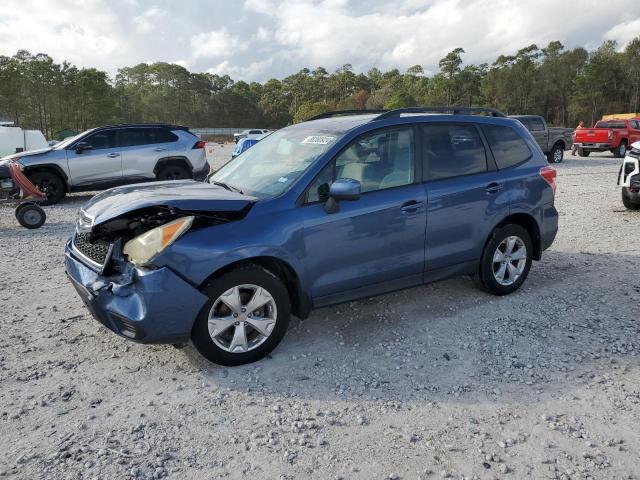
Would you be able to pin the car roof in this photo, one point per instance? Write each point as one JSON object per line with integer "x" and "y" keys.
{"x": 525, "y": 116}
{"x": 166, "y": 125}
{"x": 342, "y": 124}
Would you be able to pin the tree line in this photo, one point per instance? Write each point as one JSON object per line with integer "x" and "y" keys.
{"x": 564, "y": 85}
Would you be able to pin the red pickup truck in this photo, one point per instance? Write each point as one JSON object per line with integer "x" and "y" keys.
{"x": 613, "y": 135}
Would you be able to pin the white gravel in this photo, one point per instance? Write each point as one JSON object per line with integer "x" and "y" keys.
{"x": 440, "y": 381}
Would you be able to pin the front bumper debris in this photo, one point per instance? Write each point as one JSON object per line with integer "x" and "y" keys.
{"x": 146, "y": 306}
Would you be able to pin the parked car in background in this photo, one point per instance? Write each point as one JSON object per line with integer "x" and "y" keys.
{"x": 321, "y": 212}
{"x": 254, "y": 133}
{"x": 629, "y": 178}
{"x": 115, "y": 155}
{"x": 552, "y": 140}
{"x": 15, "y": 140}
{"x": 614, "y": 135}
{"x": 243, "y": 144}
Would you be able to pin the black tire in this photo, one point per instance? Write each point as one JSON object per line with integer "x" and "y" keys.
{"x": 628, "y": 202}
{"x": 621, "y": 150}
{"x": 30, "y": 215}
{"x": 486, "y": 277}
{"x": 556, "y": 155}
{"x": 173, "y": 172}
{"x": 583, "y": 153}
{"x": 242, "y": 276}
{"x": 50, "y": 184}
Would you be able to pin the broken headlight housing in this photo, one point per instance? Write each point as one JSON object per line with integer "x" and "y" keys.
{"x": 141, "y": 249}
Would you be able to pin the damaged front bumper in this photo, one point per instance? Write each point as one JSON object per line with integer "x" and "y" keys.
{"x": 146, "y": 306}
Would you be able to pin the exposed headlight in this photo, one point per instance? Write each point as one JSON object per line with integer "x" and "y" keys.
{"x": 146, "y": 246}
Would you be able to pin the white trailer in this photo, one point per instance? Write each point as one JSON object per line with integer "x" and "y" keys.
{"x": 15, "y": 140}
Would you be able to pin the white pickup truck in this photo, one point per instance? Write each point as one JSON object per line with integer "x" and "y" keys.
{"x": 15, "y": 140}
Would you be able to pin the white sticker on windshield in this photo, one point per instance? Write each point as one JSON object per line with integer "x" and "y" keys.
{"x": 318, "y": 140}
{"x": 283, "y": 179}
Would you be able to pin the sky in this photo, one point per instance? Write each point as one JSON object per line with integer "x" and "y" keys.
{"x": 261, "y": 39}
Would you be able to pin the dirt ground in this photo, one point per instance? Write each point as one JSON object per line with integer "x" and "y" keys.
{"x": 440, "y": 381}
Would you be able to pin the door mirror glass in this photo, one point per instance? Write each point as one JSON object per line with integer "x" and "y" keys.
{"x": 345, "y": 189}
{"x": 342, "y": 189}
{"x": 82, "y": 146}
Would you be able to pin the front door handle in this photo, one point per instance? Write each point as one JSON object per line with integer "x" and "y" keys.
{"x": 113, "y": 155}
{"x": 493, "y": 187}
{"x": 159, "y": 149}
{"x": 412, "y": 206}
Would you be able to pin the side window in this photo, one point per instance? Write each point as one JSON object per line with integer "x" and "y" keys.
{"x": 452, "y": 151}
{"x": 103, "y": 139}
{"x": 255, "y": 132}
{"x": 508, "y": 147}
{"x": 379, "y": 160}
{"x": 536, "y": 125}
{"x": 319, "y": 189}
{"x": 635, "y": 124}
{"x": 131, "y": 137}
{"x": 161, "y": 135}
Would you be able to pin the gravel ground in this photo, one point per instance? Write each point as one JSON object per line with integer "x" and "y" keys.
{"x": 440, "y": 381}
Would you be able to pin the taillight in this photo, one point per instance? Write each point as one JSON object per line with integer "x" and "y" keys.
{"x": 610, "y": 134}
{"x": 549, "y": 175}
{"x": 199, "y": 144}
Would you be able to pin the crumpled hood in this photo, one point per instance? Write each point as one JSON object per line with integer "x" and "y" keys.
{"x": 187, "y": 195}
{"x": 28, "y": 153}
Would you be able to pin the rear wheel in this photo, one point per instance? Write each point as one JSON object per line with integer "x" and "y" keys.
{"x": 173, "y": 172}
{"x": 30, "y": 215}
{"x": 628, "y": 202}
{"x": 50, "y": 184}
{"x": 245, "y": 318}
{"x": 506, "y": 260}
{"x": 583, "y": 153}
{"x": 556, "y": 154}
{"x": 621, "y": 151}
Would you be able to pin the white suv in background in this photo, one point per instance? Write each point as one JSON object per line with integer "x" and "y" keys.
{"x": 256, "y": 133}
{"x": 115, "y": 155}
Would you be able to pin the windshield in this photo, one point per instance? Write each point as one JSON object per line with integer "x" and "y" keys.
{"x": 271, "y": 165}
{"x": 68, "y": 141}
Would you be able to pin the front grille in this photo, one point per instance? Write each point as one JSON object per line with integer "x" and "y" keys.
{"x": 96, "y": 251}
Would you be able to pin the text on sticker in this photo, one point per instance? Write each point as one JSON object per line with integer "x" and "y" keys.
{"x": 318, "y": 140}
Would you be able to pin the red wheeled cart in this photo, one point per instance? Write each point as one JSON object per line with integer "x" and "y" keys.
{"x": 16, "y": 189}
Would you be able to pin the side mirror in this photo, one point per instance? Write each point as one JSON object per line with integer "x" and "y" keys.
{"x": 82, "y": 146}
{"x": 342, "y": 189}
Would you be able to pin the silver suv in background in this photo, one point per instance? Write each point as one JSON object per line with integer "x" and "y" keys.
{"x": 115, "y": 155}
{"x": 256, "y": 133}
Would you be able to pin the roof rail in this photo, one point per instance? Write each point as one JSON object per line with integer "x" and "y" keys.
{"x": 451, "y": 110}
{"x": 338, "y": 113}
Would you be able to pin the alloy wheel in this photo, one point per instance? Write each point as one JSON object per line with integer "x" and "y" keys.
{"x": 242, "y": 318}
{"x": 509, "y": 260}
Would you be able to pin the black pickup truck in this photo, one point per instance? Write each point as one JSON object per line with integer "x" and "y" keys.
{"x": 553, "y": 140}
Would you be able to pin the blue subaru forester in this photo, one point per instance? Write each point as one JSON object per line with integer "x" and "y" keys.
{"x": 330, "y": 210}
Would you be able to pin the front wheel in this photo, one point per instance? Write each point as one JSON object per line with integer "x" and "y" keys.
{"x": 556, "y": 154}
{"x": 628, "y": 202}
{"x": 50, "y": 184}
{"x": 246, "y": 317}
{"x": 506, "y": 260}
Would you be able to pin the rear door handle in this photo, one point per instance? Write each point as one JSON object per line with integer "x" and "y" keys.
{"x": 159, "y": 149}
{"x": 412, "y": 206}
{"x": 113, "y": 155}
{"x": 493, "y": 187}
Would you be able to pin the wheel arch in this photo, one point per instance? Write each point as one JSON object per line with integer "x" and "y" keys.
{"x": 560, "y": 142}
{"x": 300, "y": 303}
{"x": 49, "y": 167}
{"x": 529, "y": 223}
{"x": 173, "y": 160}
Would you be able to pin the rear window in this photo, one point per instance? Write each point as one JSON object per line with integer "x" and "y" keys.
{"x": 131, "y": 137}
{"x": 508, "y": 147}
{"x": 610, "y": 124}
{"x": 452, "y": 151}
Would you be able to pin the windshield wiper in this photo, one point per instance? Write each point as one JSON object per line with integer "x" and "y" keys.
{"x": 231, "y": 188}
